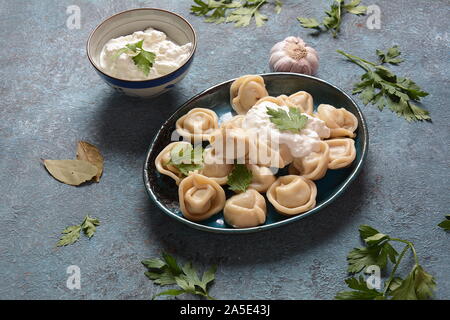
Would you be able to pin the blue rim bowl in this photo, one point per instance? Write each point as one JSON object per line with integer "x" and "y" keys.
{"x": 177, "y": 28}
{"x": 163, "y": 190}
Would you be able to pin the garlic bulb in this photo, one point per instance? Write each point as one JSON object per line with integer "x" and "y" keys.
{"x": 293, "y": 55}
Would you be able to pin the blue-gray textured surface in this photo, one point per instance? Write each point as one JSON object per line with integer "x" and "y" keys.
{"x": 51, "y": 97}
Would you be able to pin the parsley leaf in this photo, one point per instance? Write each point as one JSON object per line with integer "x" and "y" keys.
{"x": 309, "y": 23}
{"x": 333, "y": 19}
{"x": 242, "y": 16}
{"x": 144, "y": 60}
{"x": 418, "y": 284}
{"x": 186, "y": 159}
{"x": 240, "y": 178}
{"x": 361, "y": 258}
{"x": 361, "y": 291}
{"x": 293, "y": 121}
{"x": 382, "y": 88}
{"x": 239, "y": 12}
{"x": 377, "y": 252}
{"x": 166, "y": 271}
{"x": 72, "y": 234}
{"x": 391, "y": 56}
{"x": 89, "y": 226}
{"x": 446, "y": 223}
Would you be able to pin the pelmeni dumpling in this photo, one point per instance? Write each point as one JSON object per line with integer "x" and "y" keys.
{"x": 230, "y": 145}
{"x": 214, "y": 167}
{"x": 314, "y": 166}
{"x": 198, "y": 124}
{"x": 234, "y": 88}
{"x": 262, "y": 178}
{"x": 233, "y": 123}
{"x": 245, "y": 210}
{"x": 267, "y": 154}
{"x": 301, "y": 100}
{"x": 200, "y": 197}
{"x": 341, "y": 122}
{"x": 246, "y": 91}
{"x": 291, "y": 195}
{"x": 162, "y": 161}
{"x": 342, "y": 152}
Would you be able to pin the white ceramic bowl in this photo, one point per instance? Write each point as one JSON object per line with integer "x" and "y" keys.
{"x": 173, "y": 25}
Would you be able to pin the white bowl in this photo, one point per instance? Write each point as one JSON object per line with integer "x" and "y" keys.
{"x": 173, "y": 25}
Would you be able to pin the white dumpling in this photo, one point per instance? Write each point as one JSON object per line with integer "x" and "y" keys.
{"x": 291, "y": 195}
{"x": 198, "y": 124}
{"x": 246, "y": 91}
{"x": 314, "y": 166}
{"x": 245, "y": 210}
{"x": 342, "y": 123}
{"x": 200, "y": 197}
{"x": 262, "y": 178}
{"x": 301, "y": 100}
{"x": 342, "y": 152}
{"x": 214, "y": 167}
{"x": 162, "y": 161}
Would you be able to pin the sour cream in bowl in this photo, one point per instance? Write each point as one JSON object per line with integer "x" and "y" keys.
{"x": 142, "y": 52}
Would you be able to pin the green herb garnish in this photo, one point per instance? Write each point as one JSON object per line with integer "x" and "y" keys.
{"x": 144, "y": 60}
{"x": 446, "y": 223}
{"x": 186, "y": 159}
{"x": 333, "y": 20}
{"x": 418, "y": 284}
{"x": 166, "y": 271}
{"x": 238, "y": 12}
{"x": 72, "y": 234}
{"x": 293, "y": 121}
{"x": 240, "y": 178}
{"x": 391, "y": 56}
{"x": 381, "y": 87}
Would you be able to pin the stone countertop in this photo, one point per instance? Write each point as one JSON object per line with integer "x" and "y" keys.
{"x": 51, "y": 97}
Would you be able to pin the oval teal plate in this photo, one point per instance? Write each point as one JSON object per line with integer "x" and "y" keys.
{"x": 164, "y": 192}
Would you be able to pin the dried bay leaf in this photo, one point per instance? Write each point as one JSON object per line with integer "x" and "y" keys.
{"x": 72, "y": 172}
{"x": 90, "y": 153}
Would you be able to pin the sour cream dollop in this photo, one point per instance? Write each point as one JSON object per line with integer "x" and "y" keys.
{"x": 300, "y": 144}
{"x": 169, "y": 55}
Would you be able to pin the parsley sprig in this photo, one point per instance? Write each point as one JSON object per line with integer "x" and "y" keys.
{"x": 417, "y": 285}
{"x": 72, "y": 234}
{"x": 381, "y": 87}
{"x": 292, "y": 121}
{"x": 166, "y": 271}
{"x": 333, "y": 20}
{"x": 238, "y": 12}
{"x": 186, "y": 158}
{"x": 446, "y": 223}
{"x": 144, "y": 60}
{"x": 240, "y": 178}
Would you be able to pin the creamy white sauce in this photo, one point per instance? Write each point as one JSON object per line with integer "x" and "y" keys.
{"x": 169, "y": 55}
{"x": 300, "y": 144}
